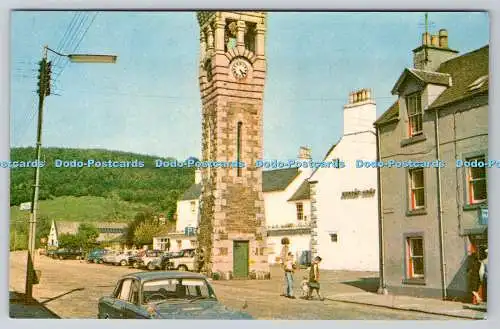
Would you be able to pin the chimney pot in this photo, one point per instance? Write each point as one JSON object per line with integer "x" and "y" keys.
{"x": 364, "y": 95}
{"x": 426, "y": 38}
{"x": 443, "y": 38}
{"x": 435, "y": 41}
{"x": 351, "y": 98}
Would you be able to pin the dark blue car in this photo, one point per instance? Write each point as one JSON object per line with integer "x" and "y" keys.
{"x": 96, "y": 255}
{"x": 165, "y": 295}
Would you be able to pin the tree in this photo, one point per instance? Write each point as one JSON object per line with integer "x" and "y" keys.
{"x": 140, "y": 217}
{"x": 70, "y": 241}
{"x": 42, "y": 228}
{"x": 87, "y": 235}
{"x": 145, "y": 232}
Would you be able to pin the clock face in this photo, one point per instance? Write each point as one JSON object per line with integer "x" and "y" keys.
{"x": 239, "y": 69}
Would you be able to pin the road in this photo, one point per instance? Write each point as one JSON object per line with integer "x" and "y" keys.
{"x": 72, "y": 288}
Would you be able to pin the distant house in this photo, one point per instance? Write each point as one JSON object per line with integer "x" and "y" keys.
{"x": 109, "y": 232}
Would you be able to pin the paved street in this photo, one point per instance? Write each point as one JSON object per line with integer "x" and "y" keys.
{"x": 71, "y": 289}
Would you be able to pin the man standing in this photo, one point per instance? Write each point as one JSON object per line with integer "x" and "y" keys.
{"x": 289, "y": 269}
{"x": 314, "y": 278}
{"x": 285, "y": 242}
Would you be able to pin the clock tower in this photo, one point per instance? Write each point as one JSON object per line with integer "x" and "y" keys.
{"x": 232, "y": 229}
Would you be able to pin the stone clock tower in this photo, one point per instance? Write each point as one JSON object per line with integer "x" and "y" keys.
{"x": 232, "y": 74}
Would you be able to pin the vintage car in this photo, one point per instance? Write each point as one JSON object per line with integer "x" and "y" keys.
{"x": 148, "y": 259}
{"x": 184, "y": 261}
{"x": 122, "y": 258}
{"x": 165, "y": 295}
{"x": 110, "y": 257}
{"x": 96, "y": 255}
{"x": 68, "y": 253}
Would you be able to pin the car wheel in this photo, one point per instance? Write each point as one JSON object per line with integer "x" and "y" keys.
{"x": 100, "y": 261}
{"x": 182, "y": 268}
{"x": 123, "y": 263}
{"x": 61, "y": 257}
{"x": 135, "y": 265}
{"x": 151, "y": 266}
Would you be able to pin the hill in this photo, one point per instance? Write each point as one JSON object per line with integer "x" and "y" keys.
{"x": 157, "y": 188}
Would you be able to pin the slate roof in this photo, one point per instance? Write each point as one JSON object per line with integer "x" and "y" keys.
{"x": 391, "y": 114}
{"x": 63, "y": 227}
{"x": 67, "y": 227}
{"x": 302, "y": 193}
{"x": 278, "y": 180}
{"x": 272, "y": 180}
{"x": 425, "y": 77}
{"x": 463, "y": 70}
{"x": 193, "y": 192}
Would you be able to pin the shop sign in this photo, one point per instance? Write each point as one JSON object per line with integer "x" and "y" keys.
{"x": 358, "y": 193}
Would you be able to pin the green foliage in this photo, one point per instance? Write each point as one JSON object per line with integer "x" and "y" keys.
{"x": 71, "y": 241}
{"x": 87, "y": 235}
{"x": 144, "y": 233}
{"x": 159, "y": 188}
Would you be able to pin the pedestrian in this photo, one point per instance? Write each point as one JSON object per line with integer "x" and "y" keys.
{"x": 314, "y": 278}
{"x": 285, "y": 242}
{"x": 473, "y": 276}
{"x": 304, "y": 285}
{"x": 289, "y": 270}
{"x": 483, "y": 276}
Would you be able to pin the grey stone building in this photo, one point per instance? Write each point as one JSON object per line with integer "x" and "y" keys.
{"x": 433, "y": 214}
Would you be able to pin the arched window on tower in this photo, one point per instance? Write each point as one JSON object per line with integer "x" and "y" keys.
{"x": 250, "y": 34}
{"x": 230, "y": 35}
{"x": 238, "y": 147}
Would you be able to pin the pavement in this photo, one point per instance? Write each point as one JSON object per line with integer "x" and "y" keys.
{"x": 21, "y": 309}
{"x": 414, "y": 304}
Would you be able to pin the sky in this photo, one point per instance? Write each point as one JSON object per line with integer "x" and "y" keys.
{"x": 149, "y": 101}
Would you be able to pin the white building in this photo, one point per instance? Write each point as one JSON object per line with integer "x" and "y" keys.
{"x": 344, "y": 204}
{"x": 187, "y": 215}
{"x": 287, "y": 208}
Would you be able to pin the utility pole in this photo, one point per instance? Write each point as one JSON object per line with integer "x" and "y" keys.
{"x": 43, "y": 90}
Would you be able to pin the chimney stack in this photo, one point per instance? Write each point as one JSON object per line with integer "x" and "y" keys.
{"x": 361, "y": 95}
{"x": 443, "y": 38}
{"x": 304, "y": 153}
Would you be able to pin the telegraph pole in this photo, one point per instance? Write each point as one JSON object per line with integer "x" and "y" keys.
{"x": 43, "y": 90}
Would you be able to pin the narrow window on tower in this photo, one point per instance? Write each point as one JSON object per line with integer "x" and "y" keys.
{"x": 238, "y": 148}
{"x": 250, "y": 33}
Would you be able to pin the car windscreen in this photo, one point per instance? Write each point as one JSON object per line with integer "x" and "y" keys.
{"x": 175, "y": 290}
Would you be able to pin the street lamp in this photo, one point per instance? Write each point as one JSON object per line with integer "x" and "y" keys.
{"x": 44, "y": 90}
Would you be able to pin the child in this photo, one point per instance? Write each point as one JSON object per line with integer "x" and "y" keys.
{"x": 314, "y": 278}
{"x": 305, "y": 286}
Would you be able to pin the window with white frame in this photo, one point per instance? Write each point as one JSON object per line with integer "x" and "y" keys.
{"x": 415, "y": 114}
{"x": 417, "y": 189}
{"x": 415, "y": 257}
{"x": 476, "y": 182}
{"x": 300, "y": 211}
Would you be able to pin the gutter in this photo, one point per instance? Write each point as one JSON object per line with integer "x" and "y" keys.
{"x": 382, "y": 289}
{"x": 440, "y": 210}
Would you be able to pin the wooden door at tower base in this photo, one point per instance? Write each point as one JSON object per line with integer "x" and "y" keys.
{"x": 240, "y": 259}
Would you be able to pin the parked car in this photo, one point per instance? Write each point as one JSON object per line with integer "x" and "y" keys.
{"x": 184, "y": 261}
{"x": 122, "y": 258}
{"x": 135, "y": 259}
{"x": 165, "y": 295}
{"x": 68, "y": 253}
{"x": 50, "y": 253}
{"x": 110, "y": 257}
{"x": 149, "y": 259}
{"x": 96, "y": 255}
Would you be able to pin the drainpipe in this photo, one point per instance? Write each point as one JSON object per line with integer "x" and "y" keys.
{"x": 382, "y": 289}
{"x": 440, "y": 208}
